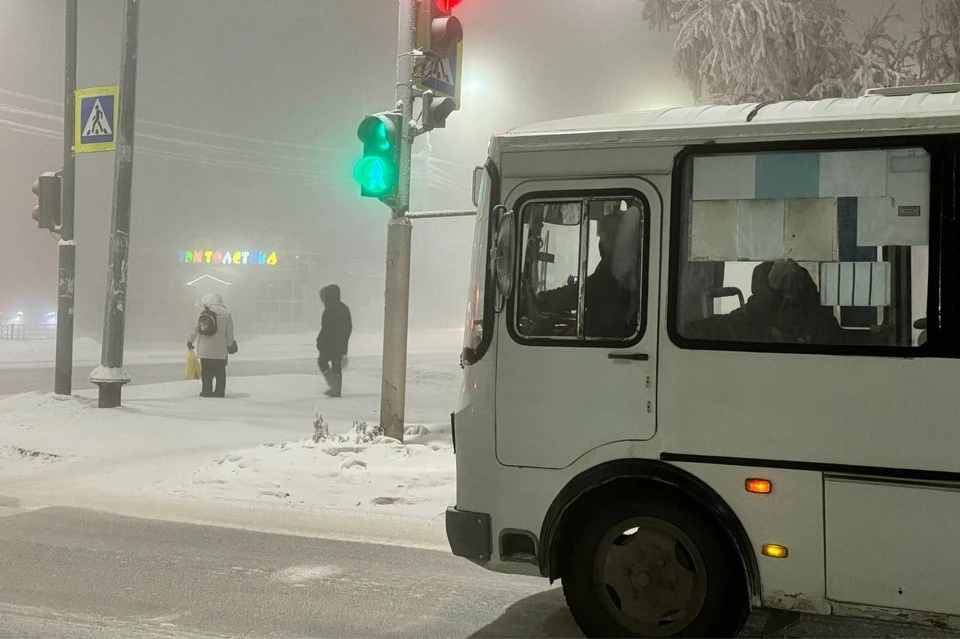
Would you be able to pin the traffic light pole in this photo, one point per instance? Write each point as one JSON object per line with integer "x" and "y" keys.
{"x": 397, "y": 289}
{"x": 67, "y": 251}
{"x": 110, "y": 376}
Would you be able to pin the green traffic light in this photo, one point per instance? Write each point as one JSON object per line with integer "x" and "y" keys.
{"x": 375, "y": 175}
{"x": 377, "y": 171}
{"x": 380, "y": 138}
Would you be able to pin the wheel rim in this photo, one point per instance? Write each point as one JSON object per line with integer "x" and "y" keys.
{"x": 650, "y": 576}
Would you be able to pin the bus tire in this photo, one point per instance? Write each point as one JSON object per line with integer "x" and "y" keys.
{"x": 655, "y": 565}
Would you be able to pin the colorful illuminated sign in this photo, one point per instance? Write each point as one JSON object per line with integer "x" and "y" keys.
{"x": 227, "y": 257}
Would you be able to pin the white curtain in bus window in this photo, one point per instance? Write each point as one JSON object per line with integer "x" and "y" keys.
{"x": 760, "y": 229}
{"x": 724, "y": 177}
{"x": 901, "y": 217}
{"x": 802, "y": 229}
{"x": 810, "y": 229}
{"x": 853, "y": 173}
{"x": 713, "y": 232}
{"x": 855, "y": 283}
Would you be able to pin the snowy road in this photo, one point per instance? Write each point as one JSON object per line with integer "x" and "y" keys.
{"x": 77, "y": 573}
{"x": 73, "y": 567}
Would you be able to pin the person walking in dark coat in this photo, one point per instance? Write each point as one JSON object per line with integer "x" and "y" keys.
{"x": 336, "y": 325}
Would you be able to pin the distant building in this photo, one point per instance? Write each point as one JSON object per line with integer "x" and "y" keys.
{"x": 269, "y": 289}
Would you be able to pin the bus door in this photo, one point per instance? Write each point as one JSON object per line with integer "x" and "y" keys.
{"x": 577, "y": 345}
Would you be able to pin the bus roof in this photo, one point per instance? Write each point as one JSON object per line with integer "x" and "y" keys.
{"x": 924, "y": 110}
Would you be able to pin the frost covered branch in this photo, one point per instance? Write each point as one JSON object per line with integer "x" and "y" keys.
{"x": 732, "y": 51}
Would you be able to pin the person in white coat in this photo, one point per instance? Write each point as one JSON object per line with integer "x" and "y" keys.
{"x": 214, "y": 340}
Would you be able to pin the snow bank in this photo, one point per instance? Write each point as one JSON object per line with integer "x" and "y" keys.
{"x": 412, "y": 478}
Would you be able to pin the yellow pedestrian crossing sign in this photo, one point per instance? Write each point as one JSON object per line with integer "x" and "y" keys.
{"x": 95, "y": 122}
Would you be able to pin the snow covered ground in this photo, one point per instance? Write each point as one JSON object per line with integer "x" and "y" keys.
{"x": 286, "y": 346}
{"x": 29, "y": 351}
{"x": 253, "y": 450}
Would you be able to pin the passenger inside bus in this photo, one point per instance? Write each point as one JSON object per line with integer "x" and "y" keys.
{"x": 610, "y": 303}
{"x": 784, "y": 307}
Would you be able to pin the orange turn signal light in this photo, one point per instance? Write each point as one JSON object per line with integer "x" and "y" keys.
{"x": 774, "y": 550}
{"x": 759, "y": 486}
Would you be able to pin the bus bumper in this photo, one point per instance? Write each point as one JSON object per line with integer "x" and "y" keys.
{"x": 469, "y": 534}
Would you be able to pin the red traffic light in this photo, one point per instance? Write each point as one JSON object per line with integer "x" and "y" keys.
{"x": 447, "y": 5}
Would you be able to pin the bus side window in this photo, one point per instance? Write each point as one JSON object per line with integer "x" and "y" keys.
{"x": 549, "y": 278}
{"x": 832, "y": 247}
{"x": 612, "y": 299}
{"x": 580, "y": 275}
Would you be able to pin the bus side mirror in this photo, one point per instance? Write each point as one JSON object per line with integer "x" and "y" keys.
{"x": 478, "y": 172}
{"x": 501, "y": 255}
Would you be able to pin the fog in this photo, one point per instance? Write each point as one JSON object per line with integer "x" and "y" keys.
{"x": 245, "y": 141}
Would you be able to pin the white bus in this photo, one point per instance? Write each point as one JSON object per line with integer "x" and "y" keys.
{"x": 711, "y": 363}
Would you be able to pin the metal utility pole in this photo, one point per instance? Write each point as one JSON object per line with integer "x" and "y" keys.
{"x": 67, "y": 269}
{"x": 426, "y": 172}
{"x": 110, "y": 376}
{"x": 397, "y": 292}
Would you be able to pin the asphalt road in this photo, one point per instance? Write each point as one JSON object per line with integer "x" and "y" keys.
{"x": 64, "y": 570}
{"x": 25, "y": 379}
{"x": 76, "y": 573}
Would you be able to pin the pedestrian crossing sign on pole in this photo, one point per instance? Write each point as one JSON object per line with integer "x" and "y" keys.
{"x": 95, "y": 124}
{"x": 442, "y": 75}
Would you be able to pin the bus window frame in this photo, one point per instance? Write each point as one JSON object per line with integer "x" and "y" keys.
{"x": 488, "y": 323}
{"x": 941, "y": 341}
{"x": 581, "y": 194}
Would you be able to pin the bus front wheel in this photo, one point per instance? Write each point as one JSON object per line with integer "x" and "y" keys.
{"x": 652, "y": 566}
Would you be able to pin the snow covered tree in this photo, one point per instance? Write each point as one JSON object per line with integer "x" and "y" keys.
{"x": 753, "y": 50}
{"x": 730, "y": 51}
{"x": 937, "y": 49}
{"x": 661, "y": 14}
{"x": 879, "y": 60}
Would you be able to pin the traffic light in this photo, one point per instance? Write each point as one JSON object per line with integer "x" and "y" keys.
{"x": 436, "y": 110}
{"x": 442, "y": 32}
{"x": 47, "y": 211}
{"x": 377, "y": 172}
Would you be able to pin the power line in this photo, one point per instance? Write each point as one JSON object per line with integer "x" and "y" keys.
{"x": 249, "y": 154}
{"x": 175, "y": 127}
{"x": 32, "y": 130}
{"x": 261, "y": 168}
{"x": 459, "y": 165}
{"x": 160, "y": 153}
{"x": 234, "y": 156}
